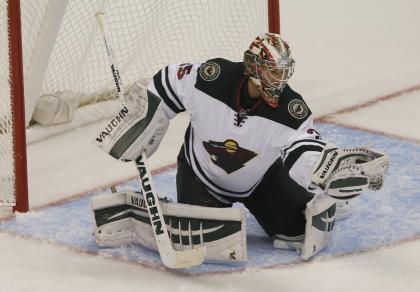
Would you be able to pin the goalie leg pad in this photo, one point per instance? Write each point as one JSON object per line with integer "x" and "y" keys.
{"x": 113, "y": 221}
{"x": 220, "y": 230}
{"x": 320, "y": 219}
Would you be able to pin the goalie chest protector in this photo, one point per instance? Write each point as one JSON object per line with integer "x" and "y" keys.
{"x": 229, "y": 149}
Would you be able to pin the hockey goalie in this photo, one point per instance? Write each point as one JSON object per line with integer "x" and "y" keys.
{"x": 251, "y": 140}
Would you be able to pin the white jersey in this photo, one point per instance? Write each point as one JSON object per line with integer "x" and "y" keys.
{"x": 228, "y": 148}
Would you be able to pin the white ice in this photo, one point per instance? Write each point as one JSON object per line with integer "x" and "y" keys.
{"x": 347, "y": 52}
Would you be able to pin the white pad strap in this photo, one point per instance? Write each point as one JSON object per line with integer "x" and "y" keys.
{"x": 121, "y": 218}
{"x": 139, "y": 126}
{"x": 288, "y": 242}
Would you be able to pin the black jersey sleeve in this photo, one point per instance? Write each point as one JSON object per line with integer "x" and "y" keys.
{"x": 302, "y": 151}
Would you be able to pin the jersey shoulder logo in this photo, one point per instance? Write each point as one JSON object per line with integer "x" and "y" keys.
{"x": 209, "y": 71}
{"x": 297, "y": 109}
{"x": 228, "y": 155}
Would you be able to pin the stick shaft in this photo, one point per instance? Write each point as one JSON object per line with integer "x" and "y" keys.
{"x": 100, "y": 19}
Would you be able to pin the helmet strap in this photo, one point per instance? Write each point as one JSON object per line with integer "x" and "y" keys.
{"x": 256, "y": 81}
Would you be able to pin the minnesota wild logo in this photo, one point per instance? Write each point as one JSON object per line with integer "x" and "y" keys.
{"x": 209, "y": 71}
{"x": 297, "y": 109}
{"x": 228, "y": 155}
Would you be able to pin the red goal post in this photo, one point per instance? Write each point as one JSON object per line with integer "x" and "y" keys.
{"x": 48, "y": 47}
{"x": 17, "y": 106}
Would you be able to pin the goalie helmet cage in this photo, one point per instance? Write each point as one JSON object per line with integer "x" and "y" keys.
{"x": 50, "y": 47}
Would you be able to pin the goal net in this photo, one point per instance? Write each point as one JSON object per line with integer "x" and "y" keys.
{"x": 64, "y": 56}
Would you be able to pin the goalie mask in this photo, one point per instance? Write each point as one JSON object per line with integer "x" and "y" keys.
{"x": 269, "y": 64}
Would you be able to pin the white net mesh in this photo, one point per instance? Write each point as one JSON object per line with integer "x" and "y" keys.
{"x": 63, "y": 50}
{"x": 7, "y": 181}
{"x": 145, "y": 35}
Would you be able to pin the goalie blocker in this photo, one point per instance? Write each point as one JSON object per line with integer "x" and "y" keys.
{"x": 121, "y": 219}
{"x": 139, "y": 126}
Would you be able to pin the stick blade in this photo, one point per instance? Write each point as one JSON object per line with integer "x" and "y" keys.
{"x": 185, "y": 258}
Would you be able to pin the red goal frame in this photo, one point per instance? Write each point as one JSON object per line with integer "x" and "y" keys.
{"x": 18, "y": 106}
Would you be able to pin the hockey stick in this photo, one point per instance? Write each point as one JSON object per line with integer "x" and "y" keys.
{"x": 100, "y": 19}
{"x": 170, "y": 257}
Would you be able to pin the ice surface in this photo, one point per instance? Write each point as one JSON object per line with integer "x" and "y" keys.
{"x": 377, "y": 218}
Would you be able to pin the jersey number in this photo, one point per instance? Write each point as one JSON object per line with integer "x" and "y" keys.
{"x": 184, "y": 69}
